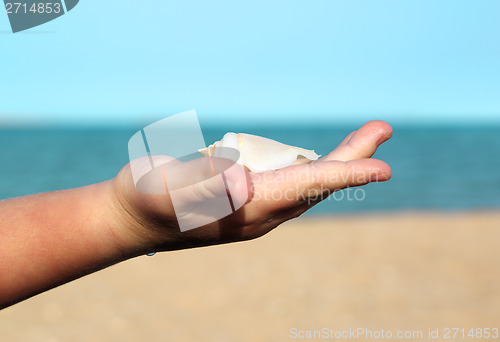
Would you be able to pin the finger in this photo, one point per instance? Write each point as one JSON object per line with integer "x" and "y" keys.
{"x": 343, "y": 143}
{"x": 347, "y": 139}
{"x": 335, "y": 175}
{"x": 362, "y": 143}
{"x": 295, "y": 185}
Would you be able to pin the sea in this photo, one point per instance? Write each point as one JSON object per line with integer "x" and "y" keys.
{"x": 434, "y": 168}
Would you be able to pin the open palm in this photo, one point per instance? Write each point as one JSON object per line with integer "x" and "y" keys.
{"x": 271, "y": 197}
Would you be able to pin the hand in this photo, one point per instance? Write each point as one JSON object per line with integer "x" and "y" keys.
{"x": 147, "y": 222}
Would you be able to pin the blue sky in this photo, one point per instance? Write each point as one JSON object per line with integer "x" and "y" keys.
{"x": 313, "y": 61}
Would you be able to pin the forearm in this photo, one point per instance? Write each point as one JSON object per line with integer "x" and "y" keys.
{"x": 49, "y": 239}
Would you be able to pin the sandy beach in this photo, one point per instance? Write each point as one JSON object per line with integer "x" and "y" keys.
{"x": 403, "y": 271}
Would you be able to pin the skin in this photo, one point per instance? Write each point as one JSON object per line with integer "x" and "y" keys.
{"x": 52, "y": 238}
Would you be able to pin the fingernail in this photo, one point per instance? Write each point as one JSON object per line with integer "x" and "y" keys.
{"x": 384, "y": 138}
{"x": 382, "y": 176}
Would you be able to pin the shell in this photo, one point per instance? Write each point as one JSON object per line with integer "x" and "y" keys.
{"x": 259, "y": 154}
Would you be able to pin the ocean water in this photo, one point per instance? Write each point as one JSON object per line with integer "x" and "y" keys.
{"x": 434, "y": 168}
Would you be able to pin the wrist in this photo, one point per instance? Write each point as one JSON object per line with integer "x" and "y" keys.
{"x": 136, "y": 227}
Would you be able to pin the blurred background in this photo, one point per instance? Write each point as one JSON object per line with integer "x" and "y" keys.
{"x": 73, "y": 91}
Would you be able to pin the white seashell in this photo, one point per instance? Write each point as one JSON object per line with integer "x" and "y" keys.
{"x": 260, "y": 154}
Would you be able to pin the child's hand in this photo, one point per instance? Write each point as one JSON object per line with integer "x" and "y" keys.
{"x": 148, "y": 222}
{"x": 51, "y": 238}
